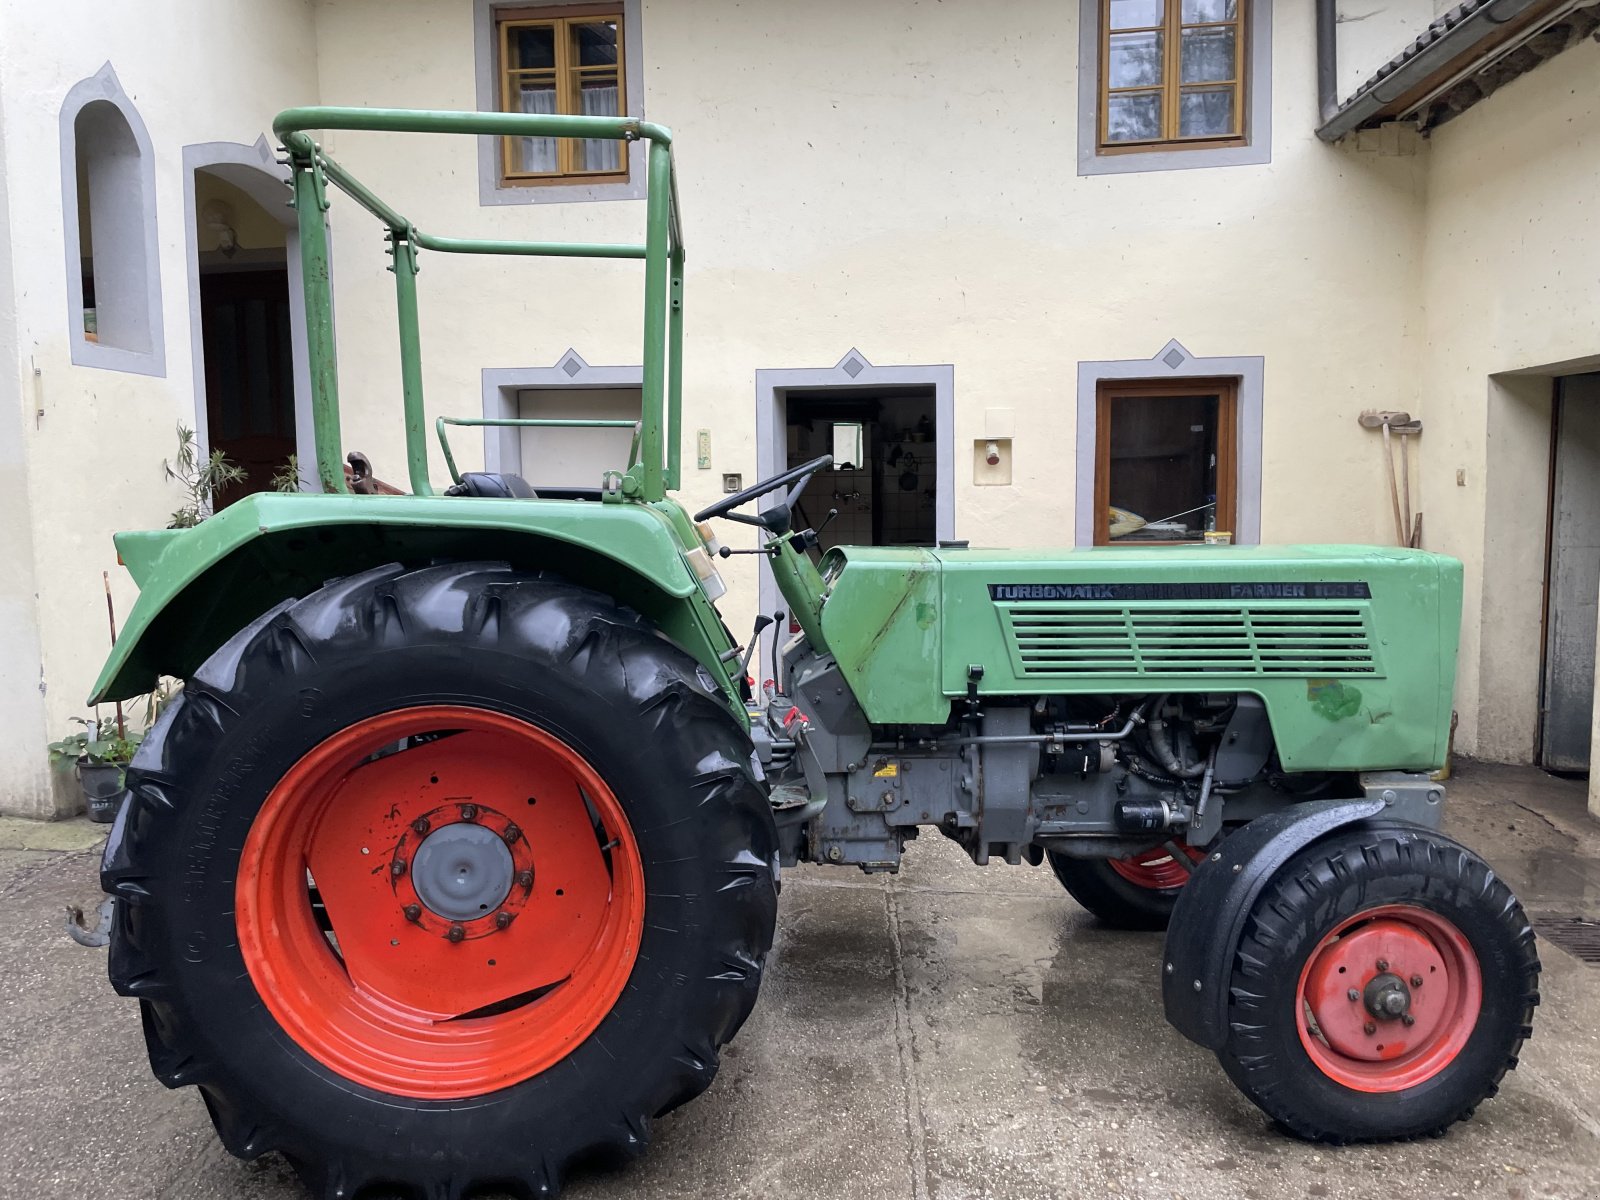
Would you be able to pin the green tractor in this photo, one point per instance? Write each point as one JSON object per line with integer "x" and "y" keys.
{"x": 456, "y": 859}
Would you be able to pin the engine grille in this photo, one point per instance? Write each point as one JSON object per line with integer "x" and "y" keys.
{"x": 1253, "y": 639}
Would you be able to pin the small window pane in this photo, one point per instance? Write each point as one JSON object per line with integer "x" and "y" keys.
{"x": 532, "y": 47}
{"x": 1135, "y": 59}
{"x": 1208, "y": 54}
{"x": 534, "y": 155}
{"x": 1136, "y": 14}
{"x": 1163, "y": 468}
{"x": 597, "y": 97}
{"x": 594, "y": 44}
{"x": 1206, "y": 114}
{"x": 1197, "y": 11}
{"x": 1133, "y": 116}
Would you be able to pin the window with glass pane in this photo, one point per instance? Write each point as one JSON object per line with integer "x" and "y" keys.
{"x": 1165, "y": 461}
{"x": 1171, "y": 71}
{"x": 561, "y": 60}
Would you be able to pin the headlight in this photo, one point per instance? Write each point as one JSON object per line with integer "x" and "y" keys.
{"x": 710, "y": 581}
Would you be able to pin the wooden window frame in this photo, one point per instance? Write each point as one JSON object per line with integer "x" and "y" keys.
{"x": 566, "y": 78}
{"x": 1171, "y": 86}
{"x": 1109, "y": 391}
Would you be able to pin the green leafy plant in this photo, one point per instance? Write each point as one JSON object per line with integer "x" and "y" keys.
{"x": 98, "y": 743}
{"x": 200, "y": 480}
{"x": 287, "y": 477}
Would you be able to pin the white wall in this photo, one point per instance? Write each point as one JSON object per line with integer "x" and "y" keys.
{"x": 923, "y": 213}
{"x": 889, "y": 201}
{"x": 93, "y": 452}
{"x": 1509, "y": 269}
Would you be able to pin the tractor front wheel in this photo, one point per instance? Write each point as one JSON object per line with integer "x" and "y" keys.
{"x": 440, "y": 879}
{"x": 1384, "y": 985}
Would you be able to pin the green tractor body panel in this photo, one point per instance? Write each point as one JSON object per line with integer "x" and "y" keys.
{"x": 199, "y": 586}
{"x": 1351, "y": 648}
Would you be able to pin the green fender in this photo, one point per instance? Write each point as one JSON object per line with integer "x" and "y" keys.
{"x": 198, "y": 586}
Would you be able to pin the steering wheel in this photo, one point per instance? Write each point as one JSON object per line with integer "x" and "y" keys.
{"x": 775, "y": 520}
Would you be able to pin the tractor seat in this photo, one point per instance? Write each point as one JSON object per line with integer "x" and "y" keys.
{"x": 492, "y": 485}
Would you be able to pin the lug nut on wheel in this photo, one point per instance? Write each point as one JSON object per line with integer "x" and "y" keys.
{"x": 511, "y": 835}
{"x": 1353, "y": 994}
{"x": 398, "y": 868}
{"x": 1407, "y": 1019}
{"x": 469, "y": 812}
{"x": 502, "y": 920}
{"x": 1383, "y": 964}
{"x": 525, "y": 879}
{"x": 413, "y": 912}
{"x": 1369, "y": 1028}
{"x": 457, "y": 933}
{"x": 420, "y": 825}
{"x": 1416, "y": 981}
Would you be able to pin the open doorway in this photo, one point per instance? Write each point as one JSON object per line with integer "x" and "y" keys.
{"x": 901, "y": 490}
{"x": 252, "y": 376}
{"x": 884, "y": 479}
{"x": 1572, "y": 595}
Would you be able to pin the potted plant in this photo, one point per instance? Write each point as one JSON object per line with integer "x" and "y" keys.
{"x": 100, "y": 755}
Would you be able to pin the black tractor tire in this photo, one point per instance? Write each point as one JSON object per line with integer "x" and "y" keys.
{"x": 1355, "y": 871}
{"x": 1116, "y": 901}
{"x": 570, "y": 661}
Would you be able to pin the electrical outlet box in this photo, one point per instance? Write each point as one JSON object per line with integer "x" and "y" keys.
{"x": 702, "y": 449}
{"x": 732, "y": 482}
{"x": 991, "y": 462}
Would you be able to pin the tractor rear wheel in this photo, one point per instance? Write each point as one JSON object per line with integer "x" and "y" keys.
{"x": 441, "y": 879}
{"x": 1136, "y": 892}
{"x": 1384, "y": 984}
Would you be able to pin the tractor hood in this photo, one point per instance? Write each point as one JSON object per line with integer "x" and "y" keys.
{"x": 1352, "y": 648}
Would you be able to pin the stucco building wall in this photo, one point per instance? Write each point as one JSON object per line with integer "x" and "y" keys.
{"x": 897, "y": 177}
{"x": 844, "y": 185}
{"x": 88, "y": 461}
{"x": 1509, "y": 300}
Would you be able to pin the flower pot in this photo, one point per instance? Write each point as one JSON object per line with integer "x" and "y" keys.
{"x": 102, "y": 789}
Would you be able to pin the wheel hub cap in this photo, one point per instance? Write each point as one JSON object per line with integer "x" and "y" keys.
{"x": 462, "y": 871}
{"x": 1389, "y": 998}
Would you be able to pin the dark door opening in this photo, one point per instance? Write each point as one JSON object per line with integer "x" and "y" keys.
{"x": 1566, "y": 706}
{"x": 884, "y": 479}
{"x": 244, "y": 323}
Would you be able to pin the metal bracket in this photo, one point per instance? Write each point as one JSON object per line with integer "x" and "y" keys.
{"x": 404, "y": 245}
{"x": 319, "y": 181}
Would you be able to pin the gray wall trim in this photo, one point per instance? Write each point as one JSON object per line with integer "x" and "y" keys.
{"x": 489, "y": 189}
{"x": 255, "y": 171}
{"x": 1172, "y": 361}
{"x": 502, "y": 448}
{"x": 1257, "y": 118}
{"x": 853, "y": 371}
{"x": 104, "y": 85}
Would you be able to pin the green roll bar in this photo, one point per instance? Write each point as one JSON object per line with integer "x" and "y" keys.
{"x": 654, "y": 464}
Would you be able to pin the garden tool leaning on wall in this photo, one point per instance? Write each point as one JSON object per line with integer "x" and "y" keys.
{"x": 1407, "y": 524}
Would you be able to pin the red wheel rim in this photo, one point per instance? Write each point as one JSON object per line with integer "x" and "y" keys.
{"x": 424, "y": 999}
{"x": 1156, "y": 868}
{"x": 1398, "y": 952}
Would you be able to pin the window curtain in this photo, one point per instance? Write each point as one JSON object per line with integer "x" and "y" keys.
{"x": 600, "y": 155}
{"x": 538, "y": 153}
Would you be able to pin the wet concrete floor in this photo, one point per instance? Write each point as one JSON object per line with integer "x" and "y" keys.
{"x": 954, "y": 1032}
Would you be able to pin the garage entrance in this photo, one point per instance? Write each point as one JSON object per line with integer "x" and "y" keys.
{"x": 1566, "y": 705}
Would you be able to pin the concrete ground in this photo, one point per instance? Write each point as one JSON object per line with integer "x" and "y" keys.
{"x": 950, "y": 1033}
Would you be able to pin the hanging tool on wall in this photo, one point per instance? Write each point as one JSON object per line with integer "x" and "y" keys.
{"x": 1407, "y": 524}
